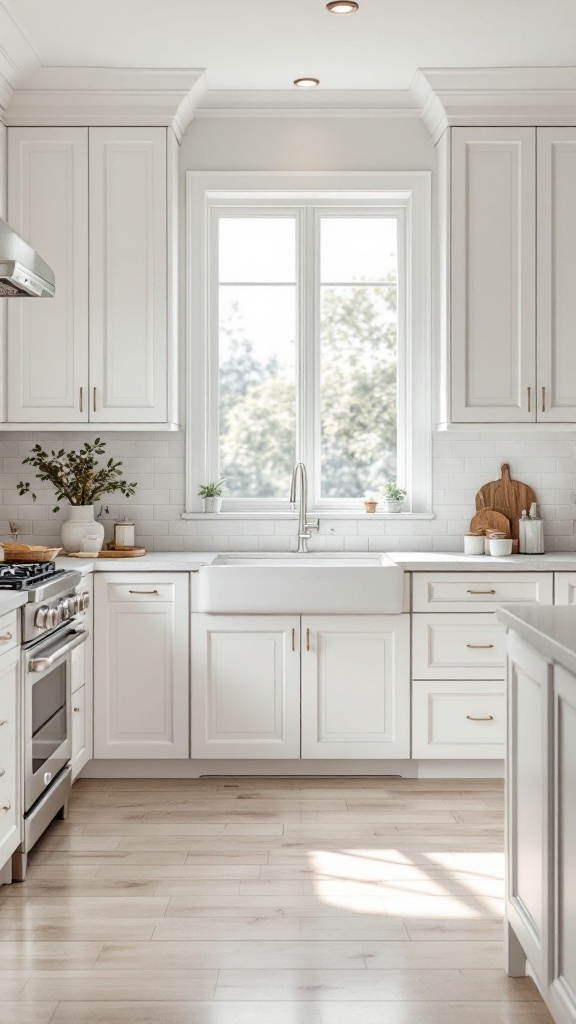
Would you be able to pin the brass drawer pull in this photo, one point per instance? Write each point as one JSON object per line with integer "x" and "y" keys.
{"x": 77, "y": 710}
{"x": 480, "y": 591}
{"x": 149, "y": 592}
{"x": 4, "y": 721}
{"x": 307, "y": 639}
{"x": 6, "y": 807}
{"x": 5, "y": 637}
{"x": 473, "y": 718}
{"x": 2, "y": 772}
{"x": 480, "y": 647}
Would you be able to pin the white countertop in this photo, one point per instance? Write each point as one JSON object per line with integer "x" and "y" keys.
{"x": 550, "y": 629}
{"x": 11, "y": 599}
{"x": 410, "y": 561}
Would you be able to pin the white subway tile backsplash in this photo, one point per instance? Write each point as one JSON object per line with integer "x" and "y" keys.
{"x": 462, "y": 461}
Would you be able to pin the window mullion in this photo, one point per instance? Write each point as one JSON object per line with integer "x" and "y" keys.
{"x": 310, "y": 381}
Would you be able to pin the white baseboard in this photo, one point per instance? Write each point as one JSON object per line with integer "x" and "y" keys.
{"x": 187, "y": 769}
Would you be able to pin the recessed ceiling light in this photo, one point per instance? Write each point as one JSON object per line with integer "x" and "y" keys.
{"x": 342, "y": 7}
{"x": 306, "y": 83}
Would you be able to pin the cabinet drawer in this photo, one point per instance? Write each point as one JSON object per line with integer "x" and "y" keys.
{"x": 460, "y": 720}
{"x": 458, "y": 592}
{"x": 565, "y": 588}
{"x": 8, "y": 632}
{"x": 458, "y": 647}
{"x": 145, "y": 590}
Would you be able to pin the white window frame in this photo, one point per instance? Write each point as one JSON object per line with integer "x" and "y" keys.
{"x": 406, "y": 195}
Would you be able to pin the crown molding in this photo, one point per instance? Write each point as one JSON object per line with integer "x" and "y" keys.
{"x": 165, "y": 97}
{"x": 472, "y": 97}
{"x": 301, "y": 103}
{"x": 18, "y": 59}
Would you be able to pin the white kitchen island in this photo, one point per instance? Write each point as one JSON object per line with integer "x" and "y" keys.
{"x": 541, "y": 802}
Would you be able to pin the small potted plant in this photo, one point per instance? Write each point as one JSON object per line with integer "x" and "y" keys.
{"x": 211, "y": 495}
{"x": 393, "y": 495}
{"x": 371, "y": 499}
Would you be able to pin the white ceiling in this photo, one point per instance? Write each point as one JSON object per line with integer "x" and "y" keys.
{"x": 265, "y": 44}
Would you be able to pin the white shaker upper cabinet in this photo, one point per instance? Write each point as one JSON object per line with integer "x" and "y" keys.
{"x": 556, "y": 274}
{"x": 47, "y": 349}
{"x": 128, "y": 271}
{"x": 493, "y": 308}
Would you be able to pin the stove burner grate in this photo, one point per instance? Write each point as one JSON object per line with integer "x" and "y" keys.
{"x": 19, "y": 575}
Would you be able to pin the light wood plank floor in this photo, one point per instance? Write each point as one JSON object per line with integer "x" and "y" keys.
{"x": 265, "y": 901}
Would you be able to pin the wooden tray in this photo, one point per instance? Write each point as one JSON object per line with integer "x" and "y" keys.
{"x": 506, "y": 494}
{"x": 29, "y": 553}
{"x": 122, "y": 553}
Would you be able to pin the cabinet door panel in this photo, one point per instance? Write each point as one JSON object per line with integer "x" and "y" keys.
{"x": 556, "y": 274}
{"x": 128, "y": 281}
{"x": 141, "y": 670}
{"x": 245, "y": 686}
{"x": 10, "y": 804}
{"x": 48, "y": 338}
{"x": 493, "y": 329}
{"x": 564, "y": 972}
{"x": 356, "y": 686}
{"x": 528, "y": 801}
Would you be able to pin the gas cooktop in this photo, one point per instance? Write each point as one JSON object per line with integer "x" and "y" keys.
{"x": 25, "y": 575}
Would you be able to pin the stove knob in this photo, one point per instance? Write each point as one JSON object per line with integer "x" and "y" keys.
{"x": 68, "y": 608}
{"x": 41, "y": 618}
{"x": 85, "y": 598}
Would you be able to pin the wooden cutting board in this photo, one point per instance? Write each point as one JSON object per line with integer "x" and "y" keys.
{"x": 122, "y": 553}
{"x": 488, "y": 519}
{"x": 506, "y": 494}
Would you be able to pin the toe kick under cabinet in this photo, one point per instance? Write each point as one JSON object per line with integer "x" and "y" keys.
{"x": 291, "y": 686}
{"x": 141, "y": 665}
{"x": 459, "y": 660}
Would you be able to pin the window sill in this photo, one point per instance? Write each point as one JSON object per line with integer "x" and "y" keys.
{"x": 312, "y": 513}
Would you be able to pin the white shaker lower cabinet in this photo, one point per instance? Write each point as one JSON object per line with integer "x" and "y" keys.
{"x": 245, "y": 686}
{"x": 82, "y": 686}
{"x": 10, "y": 809}
{"x": 141, "y": 665}
{"x": 564, "y": 588}
{"x": 356, "y": 686}
{"x": 541, "y": 826}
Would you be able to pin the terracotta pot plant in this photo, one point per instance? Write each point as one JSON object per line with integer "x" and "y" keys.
{"x": 394, "y": 496}
{"x": 77, "y": 479}
{"x": 211, "y": 495}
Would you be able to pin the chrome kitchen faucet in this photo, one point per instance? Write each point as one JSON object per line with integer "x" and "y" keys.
{"x": 304, "y": 524}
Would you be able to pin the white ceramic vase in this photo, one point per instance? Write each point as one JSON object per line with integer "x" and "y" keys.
{"x": 80, "y": 525}
{"x": 212, "y": 504}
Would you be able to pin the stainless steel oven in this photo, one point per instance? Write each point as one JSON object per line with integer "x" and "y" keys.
{"x": 47, "y": 710}
{"x": 50, "y": 633}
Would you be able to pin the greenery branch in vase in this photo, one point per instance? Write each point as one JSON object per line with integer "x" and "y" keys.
{"x": 211, "y": 495}
{"x": 78, "y": 479}
{"x": 393, "y": 495}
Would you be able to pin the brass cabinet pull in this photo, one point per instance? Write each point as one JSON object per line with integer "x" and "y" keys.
{"x": 529, "y": 390}
{"x": 543, "y": 399}
{"x": 480, "y": 591}
{"x": 2, "y": 772}
{"x": 473, "y": 718}
{"x": 77, "y": 710}
{"x": 94, "y": 399}
{"x": 81, "y": 400}
{"x": 150, "y": 592}
{"x": 3, "y": 722}
{"x": 6, "y": 807}
{"x": 293, "y": 639}
{"x": 307, "y": 639}
{"x": 479, "y": 647}
{"x": 5, "y": 637}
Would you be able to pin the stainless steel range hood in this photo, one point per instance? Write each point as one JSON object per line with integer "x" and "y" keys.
{"x": 23, "y": 273}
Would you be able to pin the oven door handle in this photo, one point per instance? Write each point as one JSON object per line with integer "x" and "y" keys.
{"x": 41, "y": 664}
